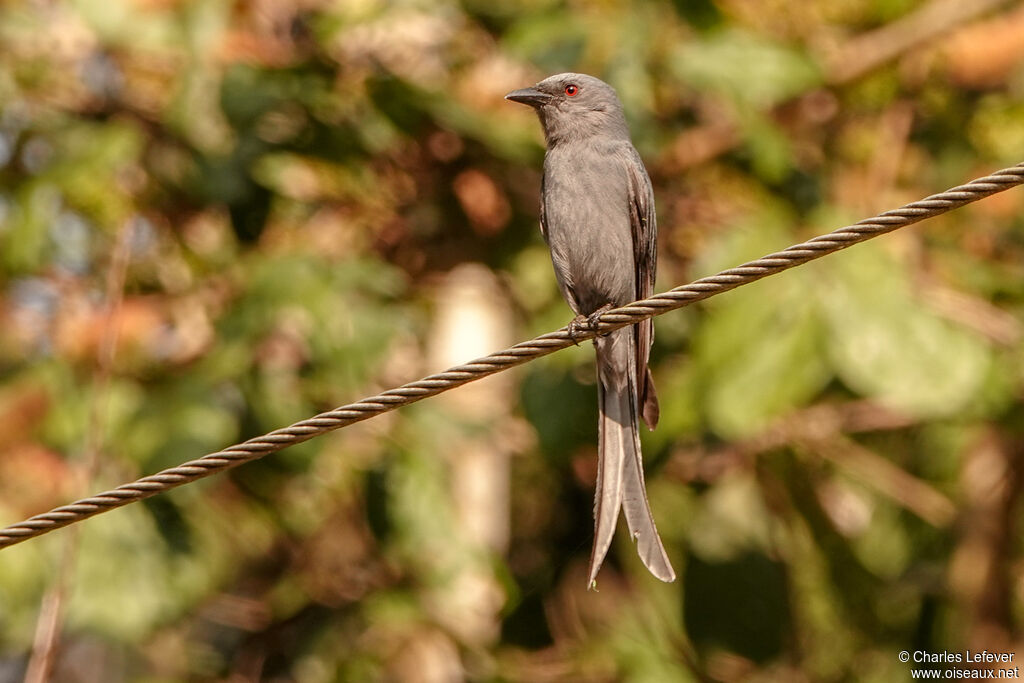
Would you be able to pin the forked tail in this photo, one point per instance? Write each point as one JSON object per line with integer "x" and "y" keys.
{"x": 620, "y": 472}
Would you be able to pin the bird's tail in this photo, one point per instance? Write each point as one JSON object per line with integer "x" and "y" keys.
{"x": 620, "y": 472}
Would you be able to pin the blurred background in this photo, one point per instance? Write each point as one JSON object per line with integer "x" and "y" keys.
{"x": 217, "y": 218}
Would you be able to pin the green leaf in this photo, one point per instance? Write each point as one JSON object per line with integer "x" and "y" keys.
{"x": 885, "y": 345}
{"x": 752, "y": 71}
{"x": 759, "y": 349}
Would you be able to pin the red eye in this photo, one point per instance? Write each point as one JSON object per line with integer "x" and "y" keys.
{"x": 571, "y": 90}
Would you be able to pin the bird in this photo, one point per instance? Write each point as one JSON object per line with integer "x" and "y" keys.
{"x": 597, "y": 217}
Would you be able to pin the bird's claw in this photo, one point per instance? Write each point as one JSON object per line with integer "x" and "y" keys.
{"x": 594, "y": 319}
{"x": 576, "y": 326}
{"x": 586, "y": 323}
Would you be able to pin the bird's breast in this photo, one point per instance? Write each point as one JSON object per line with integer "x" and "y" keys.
{"x": 587, "y": 221}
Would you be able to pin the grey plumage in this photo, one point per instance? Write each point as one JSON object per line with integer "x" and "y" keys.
{"x": 597, "y": 217}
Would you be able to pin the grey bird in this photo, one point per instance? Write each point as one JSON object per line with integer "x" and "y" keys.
{"x": 597, "y": 217}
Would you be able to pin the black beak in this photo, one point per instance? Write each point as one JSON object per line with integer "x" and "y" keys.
{"x": 531, "y": 96}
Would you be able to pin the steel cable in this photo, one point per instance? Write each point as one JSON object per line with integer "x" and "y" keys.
{"x": 523, "y": 352}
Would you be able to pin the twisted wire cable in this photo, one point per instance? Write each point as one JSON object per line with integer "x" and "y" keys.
{"x": 521, "y": 353}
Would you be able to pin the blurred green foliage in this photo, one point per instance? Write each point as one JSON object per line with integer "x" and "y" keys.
{"x": 294, "y": 184}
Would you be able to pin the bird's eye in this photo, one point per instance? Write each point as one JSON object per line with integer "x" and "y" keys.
{"x": 571, "y": 90}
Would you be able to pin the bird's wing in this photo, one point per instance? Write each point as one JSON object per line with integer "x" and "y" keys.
{"x": 645, "y": 257}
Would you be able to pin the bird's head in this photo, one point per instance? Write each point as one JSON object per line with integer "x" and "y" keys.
{"x": 574, "y": 106}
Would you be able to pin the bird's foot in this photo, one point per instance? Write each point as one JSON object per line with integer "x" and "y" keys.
{"x": 594, "y": 319}
{"x": 576, "y": 326}
{"x": 586, "y": 323}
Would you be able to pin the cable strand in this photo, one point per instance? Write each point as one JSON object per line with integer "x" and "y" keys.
{"x": 521, "y": 353}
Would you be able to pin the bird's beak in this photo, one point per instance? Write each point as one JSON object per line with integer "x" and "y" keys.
{"x": 531, "y": 96}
